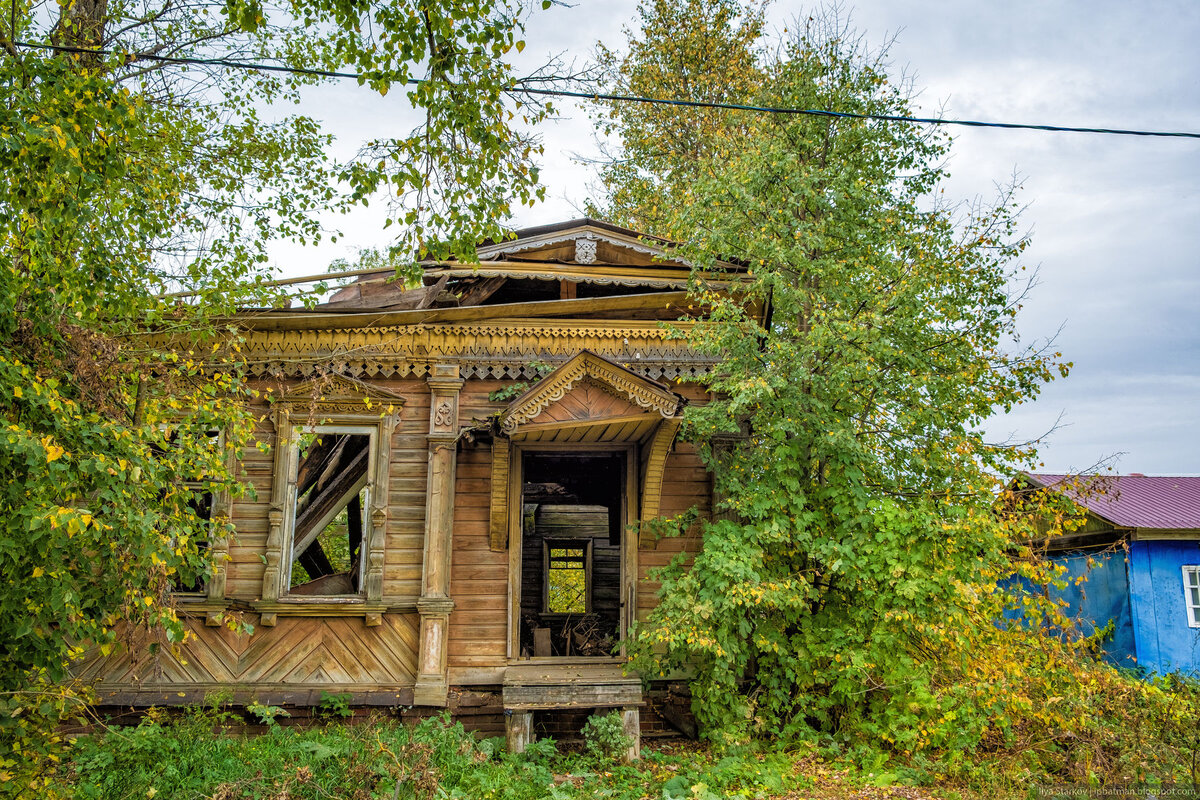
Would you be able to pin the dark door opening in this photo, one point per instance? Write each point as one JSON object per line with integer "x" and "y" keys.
{"x": 572, "y": 529}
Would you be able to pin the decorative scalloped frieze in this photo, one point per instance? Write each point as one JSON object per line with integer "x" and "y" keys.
{"x": 481, "y": 350}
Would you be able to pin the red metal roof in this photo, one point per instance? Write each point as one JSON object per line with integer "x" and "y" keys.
{"x": 1133, "y": 501}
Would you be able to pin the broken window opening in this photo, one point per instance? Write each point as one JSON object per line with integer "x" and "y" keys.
{"x": 571, "y": 543}
{"x": 201, "y": 501}
{"x": 568, "y": 577}
{"x": 201, "y": 504}
{"x": 330, "y": 495}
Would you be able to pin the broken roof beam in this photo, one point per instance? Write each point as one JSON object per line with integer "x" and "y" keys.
{"x": 391, "y": 295}
{"x": 326, "y": 458}
{"x": 481, "y": 290}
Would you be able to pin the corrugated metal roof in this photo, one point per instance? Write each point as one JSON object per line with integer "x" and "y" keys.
{"x": 1133, "y": 501}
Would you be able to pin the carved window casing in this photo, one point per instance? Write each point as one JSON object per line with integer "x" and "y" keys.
{"x": 346, "y": 408}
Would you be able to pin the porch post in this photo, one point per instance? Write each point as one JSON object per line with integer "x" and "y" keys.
{"x": 435, "y": 604}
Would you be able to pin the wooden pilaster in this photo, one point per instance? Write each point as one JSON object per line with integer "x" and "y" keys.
{"x": 280, "y": 488}
{"x": 435, "y": 604}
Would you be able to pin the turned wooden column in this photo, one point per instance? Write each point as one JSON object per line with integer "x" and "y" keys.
{"x": 435, "y": 604}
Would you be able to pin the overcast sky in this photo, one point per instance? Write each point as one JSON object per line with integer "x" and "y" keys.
{"x": 1115, "y": 220}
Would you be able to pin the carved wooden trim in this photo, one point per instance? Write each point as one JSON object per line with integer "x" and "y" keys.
{"x": 222, "y": 512}
{"x": 623, "y": 382}
{"x": 657, "y": 451}
{"x": 334, "y": 401}
{"x": 658, "y": 249}
{"x": 666, "y": 279}
{"x": 498, "y": 527}
{"x": 339, "y": 395}
{"x": 435, "y": 605}
{"x": 484, "y": 350}
{"x": 585, "y": 249}
{"x": 281, "y": 484}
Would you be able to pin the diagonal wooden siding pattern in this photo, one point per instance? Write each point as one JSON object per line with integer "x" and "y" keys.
{"x": 331, "y": 651}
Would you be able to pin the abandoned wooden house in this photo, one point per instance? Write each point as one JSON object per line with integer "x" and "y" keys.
{"x": 429, "y": 533}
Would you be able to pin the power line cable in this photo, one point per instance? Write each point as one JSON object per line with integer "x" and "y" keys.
{"x": 620, "y": 98}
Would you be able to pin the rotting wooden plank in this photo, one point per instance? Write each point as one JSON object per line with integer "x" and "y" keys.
{"x": 481, "y": 291}
{"x": 329, "y": 502}
{"x": 550, "y": 697}
{"x": 386, "y": 293}
{"x": 482, "y": 675}
{"x": 631, "y": 722}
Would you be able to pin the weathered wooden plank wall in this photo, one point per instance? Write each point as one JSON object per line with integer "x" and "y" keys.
{"x": 478, "y": 575}
{"x": 342, "y": 653}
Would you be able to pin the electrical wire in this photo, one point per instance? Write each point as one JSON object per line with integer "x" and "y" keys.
{"x": 619, "y": 98}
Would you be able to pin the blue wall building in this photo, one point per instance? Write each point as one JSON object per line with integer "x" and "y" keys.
{"x": 1142, "y": 541}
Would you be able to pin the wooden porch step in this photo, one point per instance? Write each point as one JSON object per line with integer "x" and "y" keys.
{"x": 548, "y": 687}
{"x": 538, "y": 687}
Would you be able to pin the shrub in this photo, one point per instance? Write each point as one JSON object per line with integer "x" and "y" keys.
{"x": 606, "y": 737}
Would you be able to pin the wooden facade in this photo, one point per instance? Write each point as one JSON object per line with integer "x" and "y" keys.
{"x": 439, "y": 466}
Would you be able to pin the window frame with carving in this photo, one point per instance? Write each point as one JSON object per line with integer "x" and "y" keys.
{"x": 345, "y": 406}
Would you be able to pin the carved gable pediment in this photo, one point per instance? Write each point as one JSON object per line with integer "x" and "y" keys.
{"x": 337, "y": 394}
{"x": 590, "y": 390}
{"x": 587, "y": 401}
{"x": 585, "y": 242}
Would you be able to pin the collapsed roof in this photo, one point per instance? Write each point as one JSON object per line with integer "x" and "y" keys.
{"x": 575, "y": 260}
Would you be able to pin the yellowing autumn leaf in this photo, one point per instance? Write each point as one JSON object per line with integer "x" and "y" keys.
{"x": 53, "y": 451}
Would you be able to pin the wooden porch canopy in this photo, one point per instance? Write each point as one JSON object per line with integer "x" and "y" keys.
{"x": 589, "y": 400}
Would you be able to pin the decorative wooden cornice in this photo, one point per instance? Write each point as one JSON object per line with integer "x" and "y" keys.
{"x": 623, "y": 382}
{"x": 502, "y": 350}
{"x": 601, "y": 276}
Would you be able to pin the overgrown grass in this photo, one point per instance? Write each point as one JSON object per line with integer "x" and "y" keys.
{"x": 200, "y": 754}
{"x": 1129, "y": 733}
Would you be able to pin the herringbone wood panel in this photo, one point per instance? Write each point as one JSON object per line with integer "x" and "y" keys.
{"x": 297, "y": 651}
